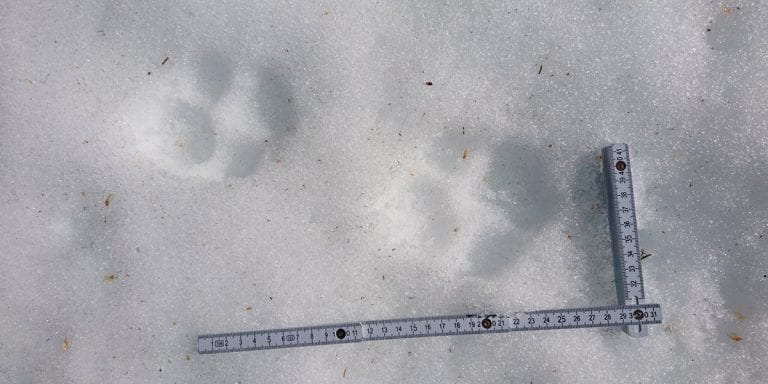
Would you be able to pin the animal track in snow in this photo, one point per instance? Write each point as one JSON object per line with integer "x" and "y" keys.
{"x": 212, "y": 118}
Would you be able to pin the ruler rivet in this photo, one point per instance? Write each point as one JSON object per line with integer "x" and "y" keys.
{"x": 341, "y": 334}
{"x": 620, "y": 165}
{"x": 486, "y": 323}
{"x": 638, "y": 314}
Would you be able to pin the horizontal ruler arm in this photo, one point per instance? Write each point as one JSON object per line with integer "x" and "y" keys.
{"x": 356, "y": 332}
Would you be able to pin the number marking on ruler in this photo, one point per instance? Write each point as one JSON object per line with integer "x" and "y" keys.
{"x": 632, "y": 313}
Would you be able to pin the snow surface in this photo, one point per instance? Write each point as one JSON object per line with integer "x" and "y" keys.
{"x": 288, "y": 165}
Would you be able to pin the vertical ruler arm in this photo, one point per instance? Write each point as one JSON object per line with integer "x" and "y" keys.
{"x": 623, "y": 224}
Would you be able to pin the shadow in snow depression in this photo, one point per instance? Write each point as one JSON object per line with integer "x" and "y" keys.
{"x": 521, "y": 184}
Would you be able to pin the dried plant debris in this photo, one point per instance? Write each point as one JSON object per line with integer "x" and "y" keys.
{"x": 65, "y": 346}
{"x": 108, "y": 200}
{"x": 109, "y": 278}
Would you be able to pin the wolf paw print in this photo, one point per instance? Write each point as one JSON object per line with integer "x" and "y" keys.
{"x": 212, "y": 118}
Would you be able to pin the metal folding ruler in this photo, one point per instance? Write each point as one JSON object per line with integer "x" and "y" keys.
{"x": 632, "y": 313}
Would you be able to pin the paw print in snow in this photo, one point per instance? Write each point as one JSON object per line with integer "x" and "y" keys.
{"x": 212, "y": 119}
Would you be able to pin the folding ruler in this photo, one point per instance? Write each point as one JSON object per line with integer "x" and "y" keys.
{"x": 632, "y": 313}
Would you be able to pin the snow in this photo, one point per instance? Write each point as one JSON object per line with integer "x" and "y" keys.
{"x": 287, "y": 164}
